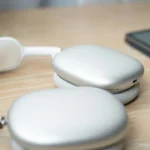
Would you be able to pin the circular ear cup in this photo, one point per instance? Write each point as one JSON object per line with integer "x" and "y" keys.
{"x": 68, "y": 118}
{"x": 124, "y": 97}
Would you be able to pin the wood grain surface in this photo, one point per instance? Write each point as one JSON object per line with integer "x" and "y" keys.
{"x": 105, "y": 25}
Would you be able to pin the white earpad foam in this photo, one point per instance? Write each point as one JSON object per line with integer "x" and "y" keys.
{"x": 118, "y": 146}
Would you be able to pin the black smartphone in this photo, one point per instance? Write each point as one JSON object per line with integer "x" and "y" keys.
{"x": 140, "y": 40}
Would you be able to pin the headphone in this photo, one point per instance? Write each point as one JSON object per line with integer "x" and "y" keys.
{"x": 12, "y": 53}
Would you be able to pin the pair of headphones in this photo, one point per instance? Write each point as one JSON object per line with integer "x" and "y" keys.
{"x": 87, "y": 110}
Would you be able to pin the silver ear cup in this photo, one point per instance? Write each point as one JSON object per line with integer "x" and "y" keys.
{"x": 69, "y": 118}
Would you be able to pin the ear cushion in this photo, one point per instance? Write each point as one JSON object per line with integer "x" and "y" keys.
{"x": 117, "y": 146}
{"x": 128, "y": 95}
{"x": 124, "y": 97}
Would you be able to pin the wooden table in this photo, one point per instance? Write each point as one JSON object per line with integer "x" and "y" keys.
{"x": 104, "y": 25}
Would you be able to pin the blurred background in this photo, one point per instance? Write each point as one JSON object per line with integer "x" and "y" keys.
{"x": 27, "y": 4}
